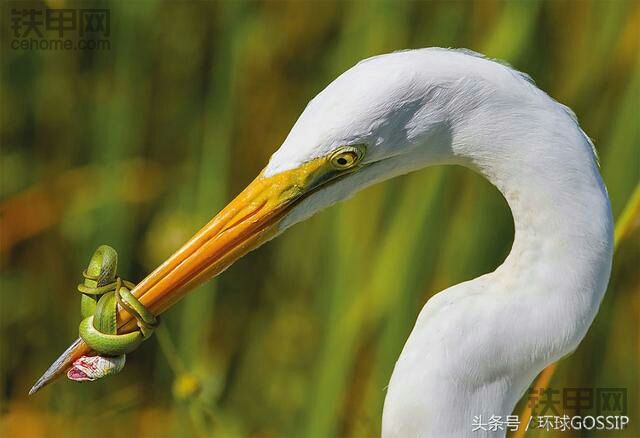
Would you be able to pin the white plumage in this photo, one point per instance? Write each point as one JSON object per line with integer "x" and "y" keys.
{"x": 476, "y": 346}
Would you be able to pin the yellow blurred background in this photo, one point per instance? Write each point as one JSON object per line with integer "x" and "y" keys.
{"x": 155, "y": 134}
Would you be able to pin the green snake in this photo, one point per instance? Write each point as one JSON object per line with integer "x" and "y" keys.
{"x": 102, "y": 291}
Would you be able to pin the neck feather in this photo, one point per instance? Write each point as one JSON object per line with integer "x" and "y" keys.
{"x": 479, "y": 344}
{"x": 547, "y": 171}
{"x": 551, "y": 284}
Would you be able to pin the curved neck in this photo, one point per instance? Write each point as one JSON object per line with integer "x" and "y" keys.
{"x": 547, "y": 172}
{"x": 554, "y": 278}
{"x": 506, "y": 326}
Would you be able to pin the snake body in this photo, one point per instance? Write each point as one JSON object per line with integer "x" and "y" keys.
{"x": 102, "y": 291}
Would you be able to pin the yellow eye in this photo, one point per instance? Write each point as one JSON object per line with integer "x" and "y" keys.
{"x": 347, "y": 157}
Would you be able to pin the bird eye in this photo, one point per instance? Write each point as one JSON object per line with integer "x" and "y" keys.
{"x": 347, "y": 157}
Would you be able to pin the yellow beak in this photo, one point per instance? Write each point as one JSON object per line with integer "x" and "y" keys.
{"x": 249, "y": 220}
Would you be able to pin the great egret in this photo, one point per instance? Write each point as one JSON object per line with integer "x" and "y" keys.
{"x": 476, "y": 346}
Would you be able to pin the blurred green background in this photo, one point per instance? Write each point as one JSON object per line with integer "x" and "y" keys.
{"x": 139, "y": 145}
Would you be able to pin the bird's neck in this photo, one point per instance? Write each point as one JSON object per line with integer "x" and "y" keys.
{"x": 563, "y": 238}
{"x": 557, "y": 271}
{"x": 479, "y": 344}
{"x": 554, "y": 278}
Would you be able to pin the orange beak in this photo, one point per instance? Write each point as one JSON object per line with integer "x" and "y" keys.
{"x": 249, "y": 220}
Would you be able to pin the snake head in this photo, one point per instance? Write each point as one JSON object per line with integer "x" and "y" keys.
{"x": 90, "y": 368}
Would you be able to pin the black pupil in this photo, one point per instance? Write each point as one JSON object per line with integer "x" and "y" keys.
{"x": 342, "y": 161}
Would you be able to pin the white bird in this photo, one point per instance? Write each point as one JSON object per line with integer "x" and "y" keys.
{"x": 476, "y": 346}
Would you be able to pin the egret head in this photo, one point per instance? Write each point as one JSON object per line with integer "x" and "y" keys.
{"x": 389, "y": 110}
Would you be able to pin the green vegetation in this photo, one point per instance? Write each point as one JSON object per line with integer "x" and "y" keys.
{"x": 153, "y": 136}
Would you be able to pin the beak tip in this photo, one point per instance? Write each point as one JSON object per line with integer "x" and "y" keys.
{"x": 36, "y": 387}
{"x": 59, "y": 366}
